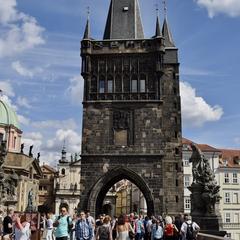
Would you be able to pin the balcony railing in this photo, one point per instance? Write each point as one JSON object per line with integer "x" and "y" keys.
{"x": 231, "y": 226}
{"x": 123, "y": 96}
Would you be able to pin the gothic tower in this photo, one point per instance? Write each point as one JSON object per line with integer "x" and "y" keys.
{"x": 131, "y": 112}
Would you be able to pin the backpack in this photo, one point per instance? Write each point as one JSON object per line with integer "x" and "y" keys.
{"x": 169, "y": 230}
{"x": 69, "y": 225}
{"x": 190, "y": 232}
{"x": 103, "y": 232}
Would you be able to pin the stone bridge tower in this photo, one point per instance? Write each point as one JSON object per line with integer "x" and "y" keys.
{"x": 131, "y": 112}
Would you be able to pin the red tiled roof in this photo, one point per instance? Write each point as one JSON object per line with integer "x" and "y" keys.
{"x": 230, "y": 155}
{"x": 49, "y": 168}
{"x": 202, "y": 147}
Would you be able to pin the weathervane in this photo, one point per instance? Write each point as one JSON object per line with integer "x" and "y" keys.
{"x": 157, "y": 9}
{"x": 88, "y": 12}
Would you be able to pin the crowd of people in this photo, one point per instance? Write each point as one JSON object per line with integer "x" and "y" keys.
{"x": 125, "y": 227}
{"x": 83, "y": 226}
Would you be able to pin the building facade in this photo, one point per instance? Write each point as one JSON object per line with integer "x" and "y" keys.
{"x": 67, "y": 183}
{"x": 20, "y": 172}
{"x": 46, "y": 188}
{"x": 229, "y": 179}
{"x": 131, "y": 112}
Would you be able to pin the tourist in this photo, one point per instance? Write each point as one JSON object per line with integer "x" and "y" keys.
{"x": 91, "y": 220}
{"x": 104, "y": 232}
{"x": 123, "y": 228}
{"x": 8, "y": 225}
{"x": 157, "y": 230}
{"x": 114, "y": 227}
{"x": 63, "y": 224}
{"x": 170, "y": 230}
{"x": 139, "y": 228}
{"x": 83, "y": 228}
{"x": 73, "y": 231}
{"x": 22, "y": 228}
{"x": 178, "y": 223}
{"x": 49, "y": 225}
{"x": 189, "y": 229}
{"x": 1, "y": 224}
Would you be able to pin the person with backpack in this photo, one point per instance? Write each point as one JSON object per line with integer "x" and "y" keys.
{"x": 189, "y": 229}
{"x": 104, "y": 232}
{"x": 157, "y": 230}
{"x": 63, "y": 224}
{"x": 83, "y": 228}
{"x": 170, "y": 230}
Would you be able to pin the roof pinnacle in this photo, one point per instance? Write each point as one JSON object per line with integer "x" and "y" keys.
{"x": 87, "y": 28}
{"x": 166, "y": 32}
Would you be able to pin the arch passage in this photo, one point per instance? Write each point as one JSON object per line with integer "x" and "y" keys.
{"x": 102, "y": 186}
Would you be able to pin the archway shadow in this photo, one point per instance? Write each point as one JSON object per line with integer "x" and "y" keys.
{"x": 102, "y": 186}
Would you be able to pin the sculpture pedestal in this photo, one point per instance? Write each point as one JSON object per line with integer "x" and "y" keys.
{"x": 203, "y": 211}
{"x": 207, "y": 222}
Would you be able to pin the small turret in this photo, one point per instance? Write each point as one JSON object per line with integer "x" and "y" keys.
{"x": 167, "y": 34}
{"x": 158, "y": 29}
{"x": 87, "y": 30}
{"x": 64, "y": 155}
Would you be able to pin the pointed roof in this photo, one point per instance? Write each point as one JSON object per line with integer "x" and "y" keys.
{"x": 87, "y": 30}
{"x": 166, "y": 32}
{"x": 158, "y": 29}
{"x": 124, "y": 20}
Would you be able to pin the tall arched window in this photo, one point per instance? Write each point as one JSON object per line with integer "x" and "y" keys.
{"x": 63, "y": 171}
{"x": 118, "y": 84}
{"x": 94, "y": 84}
{"x": 134, "y": 84}
{"x": 101, "y": 84}
{"x": 142, "y": 83}
{"x": 126, "y": 84}
{"x": 110, "y": 84}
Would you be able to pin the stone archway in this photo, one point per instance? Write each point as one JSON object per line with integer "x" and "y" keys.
{"x": 101, "y": 187}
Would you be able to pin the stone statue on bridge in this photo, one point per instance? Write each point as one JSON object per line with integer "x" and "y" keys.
{"x": 204, "y": 189}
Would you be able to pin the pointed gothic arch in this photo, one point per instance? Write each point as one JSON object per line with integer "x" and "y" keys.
{"x": 101, "y": 187}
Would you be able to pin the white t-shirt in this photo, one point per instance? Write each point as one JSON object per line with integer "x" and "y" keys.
{"x": 184, "y": 228}
{"x": 23, "y": 234}
{"x": 49, "y": 223}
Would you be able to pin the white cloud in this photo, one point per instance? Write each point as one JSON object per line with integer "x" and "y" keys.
{"x": 195, "y": 110}
{"x": 19, "y": 31}
{"x": 63, "y": 124}
{"x": 24, "y": 71}
{"x": 214, "y": 7}
{"x": 23, "y": 120}
{"x": 21, "y": 70}
{"x": 71, "y": 138}
{"x": 75, "y": 90}
{"x": 23, "y": 102}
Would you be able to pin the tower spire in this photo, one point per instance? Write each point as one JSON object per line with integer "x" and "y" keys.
{"x": 166, "y": 32}
{"x": 158, "y": 28}
{"x": 87, "y": 28}
{"x": 124, "y": 20}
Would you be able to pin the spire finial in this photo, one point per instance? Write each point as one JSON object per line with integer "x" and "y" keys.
{"x": 157, "y": 9}
{"x": 87, "y": 28}
{"x": 88, "y": 12}
{"x": 165, "y": 8}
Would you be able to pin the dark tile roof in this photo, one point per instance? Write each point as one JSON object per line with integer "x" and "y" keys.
{"x": 124, "y": 20}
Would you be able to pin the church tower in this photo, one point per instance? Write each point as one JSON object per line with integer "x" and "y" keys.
{"x": 131, "y": 112}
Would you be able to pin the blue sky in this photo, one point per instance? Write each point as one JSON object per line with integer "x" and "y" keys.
{"x": 40, "y": 67}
